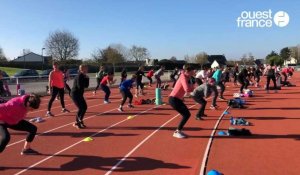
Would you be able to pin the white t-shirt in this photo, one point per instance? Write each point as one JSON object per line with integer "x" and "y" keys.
{"x": 202, "y": 75}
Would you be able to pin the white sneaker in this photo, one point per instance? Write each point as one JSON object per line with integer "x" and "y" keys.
{"x": 179, "y": 134}
{"x": 106, "y": 102}
{"x": 120, "y": 109}
{"x": 49, "y": 114}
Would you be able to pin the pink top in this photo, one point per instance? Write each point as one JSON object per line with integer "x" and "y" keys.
{"x": 13, "y": 111}
{"x": 57, "y": 79}
{"x": 181, "y": 87}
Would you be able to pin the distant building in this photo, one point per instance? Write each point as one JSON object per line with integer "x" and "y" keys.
{"x": 291, "y": 61}
{"x": 33, "y": 58}
{"x": 219, "y": 60}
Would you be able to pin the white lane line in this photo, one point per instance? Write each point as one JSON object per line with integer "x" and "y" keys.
{"x": 141, "y": 143}
{"x": 71, "y": 146}
{"x": 65, "y": 124}
{"x": 71, "y": 103}
{"x": 209, "y": 144}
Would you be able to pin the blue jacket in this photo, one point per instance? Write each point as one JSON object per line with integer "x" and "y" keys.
{"x": 126, "y": 85}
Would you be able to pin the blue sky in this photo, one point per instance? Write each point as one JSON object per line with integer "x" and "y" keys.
{"x": 165, "y": 27}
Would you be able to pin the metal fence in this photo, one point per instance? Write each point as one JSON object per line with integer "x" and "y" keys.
{"x": 38, "y": 84}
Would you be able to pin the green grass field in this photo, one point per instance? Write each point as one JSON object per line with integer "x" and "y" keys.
{"x": 10, "y": 70}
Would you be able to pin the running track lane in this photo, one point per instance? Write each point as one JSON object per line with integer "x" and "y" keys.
{"x": 168, "y": 135}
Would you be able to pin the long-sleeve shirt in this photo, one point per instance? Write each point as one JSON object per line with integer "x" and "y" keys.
{"x": 159, "y": 73}
{"x": 126, "y": 85}
{"x": 13, "y": 111}
{"x": 204, "y": 90}
{"x": 181, "y": 87}
{"x": 81, "y": 81}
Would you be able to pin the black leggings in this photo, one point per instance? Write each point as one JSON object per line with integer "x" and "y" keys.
{"x": 81, "y": 105}
{"x": 55, "y": 91}
{"x": 23, "y": 125}
{"x": 244, "y": 85}
{"x": 158, "y": 81}
{"x": 180, "y": 107}
{"x": 98, "y": 80}
{"x": 222, "y": 87}
{"x": 203, "y": 103}
{"x": 150, "y": 79}
{"x": 68, "y": 88}
{"x": 174, "y": 80}
{"x": 106, "y": 89}
{"x": 126, "y": 94}
{"x": 269, "y": 78}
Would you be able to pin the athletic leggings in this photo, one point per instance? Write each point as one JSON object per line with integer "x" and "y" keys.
{"x": 126, "y": 94}
{"x": 81, "y": 105}
{"x": 269, "y": 78}
{"x": 203, "y": 103}
{"x": 68, "y": 88}
{"x": 23, "y": 125}
{"x": 222, "y": 87}
{"x": 150, "y": 79}
{"x": 106, "y": 89}
{"x": 158, "y": 81}
{"x": 55, "y": 91}
{"x": 244, "y": 85}
{"x": 180, "y": 107}
{"x": 98, "y": 80}
{"x": 174, "y": 81}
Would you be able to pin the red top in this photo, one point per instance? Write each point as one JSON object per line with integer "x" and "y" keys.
{"x": 105, "y": 79}
{"x": 150, "y": 73}
{"x": 13, "y": 111}
{"x": 285, "y": 70}
{"x": 57, "y": 79}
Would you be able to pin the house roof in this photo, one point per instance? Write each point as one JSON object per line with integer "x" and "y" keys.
{"x": 221, "y": 59}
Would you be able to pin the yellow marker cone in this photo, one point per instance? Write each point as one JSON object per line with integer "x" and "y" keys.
{"x": 130, "y": 117}
{"x": 88, "y": 139}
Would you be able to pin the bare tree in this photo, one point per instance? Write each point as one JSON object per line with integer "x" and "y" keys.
{"x": 139, "y": 53}
{"x": 124, "y": 51}
{"x": 201, "y": 58}
{"x": 173, "y": 58}
{"x": 62, "y": 45}
{"x": 97, "y": 56}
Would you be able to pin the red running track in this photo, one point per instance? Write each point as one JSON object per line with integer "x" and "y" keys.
{"x": 144, "y": 144}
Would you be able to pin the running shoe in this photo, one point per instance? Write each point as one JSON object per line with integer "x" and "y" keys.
{"x": 130, "y": 106}
{"x": 78, "y": 125}
{"x": 213, "y": 107}
{"x": 222, "y": 98}
{"x": 65, "y": 110}
{"x": 29, "y": 151}
{"x": 120, "y": 109}
{"x": 179, "y": 134}
{"x": 49, "y": 114}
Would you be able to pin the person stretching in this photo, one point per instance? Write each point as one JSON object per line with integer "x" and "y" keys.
{"x": 176, "y": 99}
{"x": 125, "y": 87}
{"x": 107, "y": 80}
{"x": 204, "y": 91}
{"x": 57, "y": 85}
{"x": 12, "y": 114}
{"x": 81, "y": 81}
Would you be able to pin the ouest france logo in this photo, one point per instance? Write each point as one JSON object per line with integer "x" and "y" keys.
{"x": 262, "y": 19}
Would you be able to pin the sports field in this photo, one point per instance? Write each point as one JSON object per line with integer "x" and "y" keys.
{"x": 142, "y": 144}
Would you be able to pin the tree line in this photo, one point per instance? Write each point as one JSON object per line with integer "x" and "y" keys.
{"x": 63, "y": 46}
